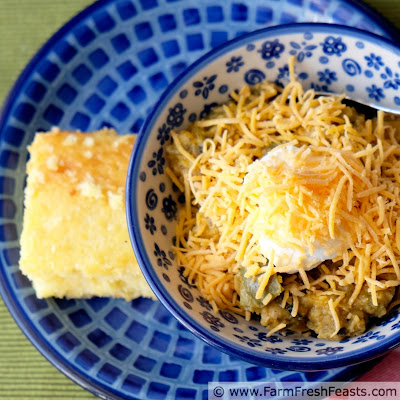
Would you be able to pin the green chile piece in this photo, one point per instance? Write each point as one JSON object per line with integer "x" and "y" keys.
{"x": 248, "y": 290}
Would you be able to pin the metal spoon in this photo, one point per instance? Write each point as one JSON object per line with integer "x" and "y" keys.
{"x": 363, "y": 107}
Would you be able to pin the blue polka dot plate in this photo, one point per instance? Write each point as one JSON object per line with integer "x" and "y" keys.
{"x": 107, "y": 67}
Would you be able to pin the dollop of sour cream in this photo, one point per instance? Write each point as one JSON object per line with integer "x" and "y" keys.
{"x": 295, "y": 258}
{"x": 272, "y": 240}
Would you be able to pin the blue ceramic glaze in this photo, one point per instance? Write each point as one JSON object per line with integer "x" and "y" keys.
{"x": 329, "y": 56}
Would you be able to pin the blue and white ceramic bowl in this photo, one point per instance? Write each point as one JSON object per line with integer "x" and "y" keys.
{"x": 328, "y": 57}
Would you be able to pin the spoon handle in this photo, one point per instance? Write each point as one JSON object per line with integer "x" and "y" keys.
{"x": 368, "y": 109}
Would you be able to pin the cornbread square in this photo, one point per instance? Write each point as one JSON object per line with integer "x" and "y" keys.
{"x": 75, "y": 240}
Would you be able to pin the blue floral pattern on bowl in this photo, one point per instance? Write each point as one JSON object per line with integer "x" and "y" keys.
{"x": 328, "y": 59}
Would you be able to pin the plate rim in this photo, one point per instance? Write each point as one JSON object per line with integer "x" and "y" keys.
{"x": 383, "y": 23}
{"x": 376, "y": 15}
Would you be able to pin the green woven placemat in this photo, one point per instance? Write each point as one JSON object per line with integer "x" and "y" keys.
{"x": 24, "y": 27}
{"x": 24, "y": 373}
{"x": 390, "y": 9}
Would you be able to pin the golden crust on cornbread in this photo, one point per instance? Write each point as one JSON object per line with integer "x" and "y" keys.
{"x": 75, "y": 241}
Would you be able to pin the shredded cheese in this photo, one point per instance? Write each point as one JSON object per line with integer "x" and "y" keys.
{"x": 341, "y": 192}
{"x": 276, "y": 329}
{"x": 335, "y": 317}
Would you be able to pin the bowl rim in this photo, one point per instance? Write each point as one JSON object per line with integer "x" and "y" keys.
{"x": 372, "y": 351}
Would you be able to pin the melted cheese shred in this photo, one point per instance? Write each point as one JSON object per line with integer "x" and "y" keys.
{"x": 355, "y": 164}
